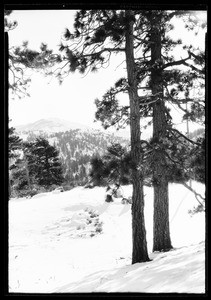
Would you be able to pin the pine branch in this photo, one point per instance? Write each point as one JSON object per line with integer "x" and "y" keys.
{"x": 104, "y": 50}
{"x": 141, "y": 98}
{"x": 177, "y": 62}
{"x": 147, "y": 143}
{"x": 61, "y": 68}
{"x": 179, "y": 13}
{"x": 194, "y": 55}
{"x": 120, "y": 64}
{"x": 184, "y": 62}
{"x": 195, "y": 193}
{"x": 185, "y": 100}
{"x": 175, "y": 101}
{"x": 185, "y": 137}
{"x": 176, "y": 162}
{"x": 193, "y": 68}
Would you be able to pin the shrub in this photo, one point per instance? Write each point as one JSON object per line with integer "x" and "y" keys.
{"x": 109, "y": 198}
{"x": 99, "y": 227}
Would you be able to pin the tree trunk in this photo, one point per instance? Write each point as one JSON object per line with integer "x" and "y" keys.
{"x": 27, "y": 174}
{"x": 9, "y": 179}
{"x": 161, "y": 231}
{"x": 139, "y": 251}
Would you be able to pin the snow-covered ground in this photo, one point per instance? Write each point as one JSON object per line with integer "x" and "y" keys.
{"x": 76, "y": 242}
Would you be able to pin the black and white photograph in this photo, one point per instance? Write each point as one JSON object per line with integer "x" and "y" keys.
{"x": 106, "y": 149}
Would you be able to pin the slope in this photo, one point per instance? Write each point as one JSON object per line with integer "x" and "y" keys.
{"x": 76, "y": 242}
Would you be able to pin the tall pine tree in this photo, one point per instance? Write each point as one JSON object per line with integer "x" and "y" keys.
{"x": 97, "y": 35}
{"x": 162, "y": 80}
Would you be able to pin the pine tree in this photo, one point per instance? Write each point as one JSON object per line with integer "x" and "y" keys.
{"x": 21, "y": 182}
{"x": 14, "y": 147}
{"x": 161, "y": 120}
{"x": 29, "y": 162}
{"x": 93, "y": 29}
{"x": 154, "y": 71}
{"x": 14, "y": 143}
{"x": 164, "y": 81}
{"x": 22, "y": 58}
{"x": 97, "y": 173}
{"x": 23, "y": 172}
{"x": 112, "y": 168}
{"x": 45, "y": 163}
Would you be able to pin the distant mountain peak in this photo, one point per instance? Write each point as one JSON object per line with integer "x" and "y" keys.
{"x": 50, "y": 125}
{"x": 53, "y": 125}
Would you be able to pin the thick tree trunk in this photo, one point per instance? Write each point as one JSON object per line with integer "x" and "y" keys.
{"x": 139, "y": 251}
{"x": 161, "y": 231}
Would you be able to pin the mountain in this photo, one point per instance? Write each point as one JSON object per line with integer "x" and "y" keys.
{"x": 77, "y": 144}
{"x": 51, "y": 125}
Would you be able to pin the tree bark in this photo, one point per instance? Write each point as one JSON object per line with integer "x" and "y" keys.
{"x": 139, "y": 251}
{"x": 161, "y": 230}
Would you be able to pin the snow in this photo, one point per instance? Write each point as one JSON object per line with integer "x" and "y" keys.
{"x": 73, "y": 241}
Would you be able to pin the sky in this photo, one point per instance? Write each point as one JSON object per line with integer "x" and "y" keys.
{"x": 74, "y": 99}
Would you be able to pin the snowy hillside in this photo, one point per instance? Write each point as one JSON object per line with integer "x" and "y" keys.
{"x": 76, "y": 242}
{"x": 76, "y": 146}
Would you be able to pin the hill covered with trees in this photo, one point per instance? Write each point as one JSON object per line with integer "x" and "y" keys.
{"x": 76, "y": 147}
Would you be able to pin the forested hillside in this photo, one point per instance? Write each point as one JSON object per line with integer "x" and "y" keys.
{"x": 76, "y": 149}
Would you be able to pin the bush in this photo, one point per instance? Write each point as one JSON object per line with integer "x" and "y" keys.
{"x": 109, "y": 198}
{"x": 99, "y": 227}
{"x": 93, "y": 219}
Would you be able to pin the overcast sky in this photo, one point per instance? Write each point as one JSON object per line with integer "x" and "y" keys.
{"x": 74, "y": 99}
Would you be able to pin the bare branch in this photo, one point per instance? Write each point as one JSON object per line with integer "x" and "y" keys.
{"x": 178, "y": 62}
{"x": 61, "y": 68}
{"x": 104, "y": 50}
{"x": 120, "y": 64}
{"x": 195, "y": 193}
